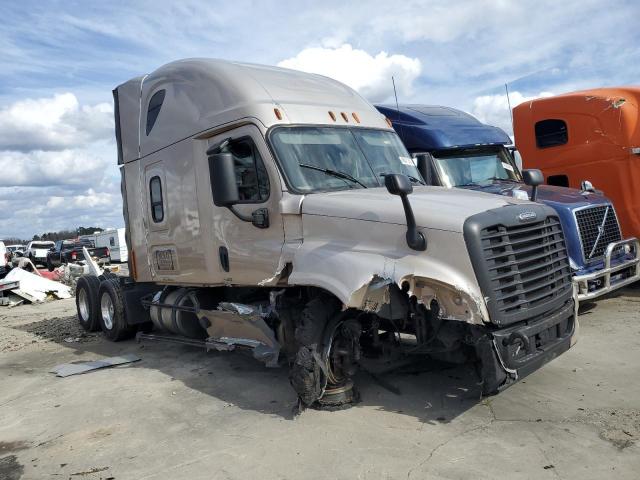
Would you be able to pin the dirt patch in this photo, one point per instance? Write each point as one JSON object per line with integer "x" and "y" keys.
{"x": 60, "y": 329}
{"x": 10, "y": 468}
{"x": 56, "y": 329}
{"x": 619, "y": 427}
{"x": 10, "y": 447}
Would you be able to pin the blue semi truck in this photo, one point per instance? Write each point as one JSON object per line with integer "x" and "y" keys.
{"x": 454, "y": 149}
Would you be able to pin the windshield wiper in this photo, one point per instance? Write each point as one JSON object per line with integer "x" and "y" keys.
{"x": 502, "y": 179}
{"x": 413, "y": 179}
{"x": 334, "y": 173}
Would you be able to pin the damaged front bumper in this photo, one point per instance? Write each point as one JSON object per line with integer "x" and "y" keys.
{"x": 511, "y": 353}
{"x": 611, "y": 278}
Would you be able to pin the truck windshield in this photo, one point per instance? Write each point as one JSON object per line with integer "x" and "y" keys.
{"x": 458, "y": 169}
{"x": 318, "y": 159}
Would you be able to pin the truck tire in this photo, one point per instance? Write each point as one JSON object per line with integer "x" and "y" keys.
{"x": 106, "y": 275}
{"x": 305, "y": 375}
{"x": 112, "y": 314}
{"x": 87, "y": 302}
{"x": 50, "y": 266}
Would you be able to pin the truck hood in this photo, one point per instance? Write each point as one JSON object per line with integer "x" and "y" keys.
{"x": 555, "y": 197}
{"x": 434, "y": 207}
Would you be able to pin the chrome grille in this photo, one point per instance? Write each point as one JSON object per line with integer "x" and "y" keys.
{"x": 527, "y": 264}
{"x": 598, "y": 227}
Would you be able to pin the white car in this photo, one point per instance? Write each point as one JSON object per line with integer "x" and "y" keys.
{"x": 37, "y": 251}
{"x": 16, "y": 250}
{"x": 3, "y": 259}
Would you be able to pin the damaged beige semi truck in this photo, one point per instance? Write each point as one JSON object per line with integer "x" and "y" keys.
{"x": 278, "y": 212}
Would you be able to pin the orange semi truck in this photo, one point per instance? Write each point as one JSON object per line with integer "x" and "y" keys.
{"x": 591, "y": 134}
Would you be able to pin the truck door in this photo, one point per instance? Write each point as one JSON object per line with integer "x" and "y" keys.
{"x": 247, "y": 255}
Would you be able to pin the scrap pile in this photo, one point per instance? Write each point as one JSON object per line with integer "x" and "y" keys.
{"x": 20, "y": 286}
{"x": 26, "y": 284}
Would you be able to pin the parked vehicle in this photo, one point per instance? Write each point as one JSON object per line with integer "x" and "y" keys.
{"x": 590, "y": 134}
{"x": 261, "y": 212}
{"x": 37, "y": 251}
{"x": 16, "y": 250}
{"x": 65, "y": 251}
{"x": 114, "y": 239}
{"x": 4, "y": 260}
{"x": 459, "y": 151}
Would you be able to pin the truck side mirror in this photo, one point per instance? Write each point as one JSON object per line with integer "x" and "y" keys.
{"x": 423, "y": 163}
{"x": 533, "y": 177}
{"x": 400, "y": 185}
{"x": 223, "y": 180}
{"x": 587, "y": 186}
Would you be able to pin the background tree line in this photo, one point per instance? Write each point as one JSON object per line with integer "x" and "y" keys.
{"x": 55, "y": 236}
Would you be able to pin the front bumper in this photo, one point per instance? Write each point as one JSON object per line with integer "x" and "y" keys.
{"x": 610, "y": 278}
{"x": 509, "y": 354}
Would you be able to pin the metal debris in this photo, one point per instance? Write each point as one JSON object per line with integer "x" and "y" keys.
{"x": 68, "y": 369}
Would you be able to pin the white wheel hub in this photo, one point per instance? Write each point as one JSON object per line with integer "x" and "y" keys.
{"x": 107, "y": 310}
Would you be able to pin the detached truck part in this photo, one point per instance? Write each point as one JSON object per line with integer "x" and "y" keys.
{"x": 277, "y": 211}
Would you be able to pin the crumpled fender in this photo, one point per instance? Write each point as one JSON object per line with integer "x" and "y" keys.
{"x": 361, "y": 279}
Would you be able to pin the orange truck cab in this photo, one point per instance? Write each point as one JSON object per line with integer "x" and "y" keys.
{"x": 588, "y": 135}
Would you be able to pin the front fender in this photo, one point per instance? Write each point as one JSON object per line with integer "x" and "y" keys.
{"x": 359, "y": 271}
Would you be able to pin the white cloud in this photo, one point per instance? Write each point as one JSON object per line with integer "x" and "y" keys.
{"x": 369, "y": 75}
{"x": 53, "y": 123}
{"x": 494, "y": 109}
{"x": 46, "y": 168}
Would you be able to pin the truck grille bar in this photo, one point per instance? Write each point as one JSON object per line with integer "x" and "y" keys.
{"x": 522, "y": 267}
{"x": 527, "y": 266}
{"x": 598, "y": 227}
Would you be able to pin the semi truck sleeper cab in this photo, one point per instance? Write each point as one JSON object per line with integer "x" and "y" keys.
{"x": 276, "y": 211}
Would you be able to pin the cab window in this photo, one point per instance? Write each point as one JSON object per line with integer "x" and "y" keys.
{"x": 251, "y": 174}
{"x": 551, "y": 133}
{"x": 155, "y": 196}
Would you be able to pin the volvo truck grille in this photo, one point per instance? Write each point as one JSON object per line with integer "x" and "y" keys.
{"x": 521, "y": 261}
{"x": 598, "y": 227}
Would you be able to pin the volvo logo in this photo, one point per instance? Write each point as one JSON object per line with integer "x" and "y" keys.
{"x": 527, "y": 216}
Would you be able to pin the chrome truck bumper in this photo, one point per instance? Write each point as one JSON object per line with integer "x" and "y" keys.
{"x": 610, "y": 278}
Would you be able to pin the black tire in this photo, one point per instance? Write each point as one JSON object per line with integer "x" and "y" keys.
{"x": 305, "y": 374}
{"x": 87, "y": 302}
{"x": 107, "y": 275}
{"x": 112, "y": 314}
{"x": 50, "y": 266}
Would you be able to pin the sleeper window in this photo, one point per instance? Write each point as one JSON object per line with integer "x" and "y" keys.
{"x": 550, "y": 133}
{"x": 251, "y": 175}
{"x": 157, "y": 208}
{"x": 154, "y": 109}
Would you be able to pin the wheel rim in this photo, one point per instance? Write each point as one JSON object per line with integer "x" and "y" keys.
{"x": 83, "y": 305}
{"x": 341, "y": 355}
{"x": 107, "y": 310}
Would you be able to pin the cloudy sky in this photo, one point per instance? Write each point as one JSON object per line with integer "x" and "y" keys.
{"x": 59, "y": 61}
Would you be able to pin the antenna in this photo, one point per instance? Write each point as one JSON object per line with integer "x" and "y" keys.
{"x": 396, "y": 95}
{"x": 397, "y": 105}
{"x": 506, "y": 88}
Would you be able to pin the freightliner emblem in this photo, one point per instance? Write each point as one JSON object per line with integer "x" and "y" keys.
{"x": 527, "y": 216}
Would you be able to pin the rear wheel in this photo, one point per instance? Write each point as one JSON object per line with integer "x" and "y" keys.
{"x": 50, "y": 266}
{"x": 87, "y": 302}
{"x": 112, "y": 316}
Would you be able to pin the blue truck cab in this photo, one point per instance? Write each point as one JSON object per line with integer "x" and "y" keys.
{"x": 460, "y": 151}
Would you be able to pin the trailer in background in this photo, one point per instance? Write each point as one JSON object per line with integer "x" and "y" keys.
{"x": 115, "y": 241}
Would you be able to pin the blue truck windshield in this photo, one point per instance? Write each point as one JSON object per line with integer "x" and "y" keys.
{"x": 329, "y": 158}
{"x": 477, "y": 168}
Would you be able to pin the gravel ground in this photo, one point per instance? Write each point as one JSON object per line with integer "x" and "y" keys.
{"x": 184, "y": 413}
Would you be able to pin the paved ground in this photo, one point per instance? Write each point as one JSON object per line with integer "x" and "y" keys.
{"x": 182, "y": 413}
